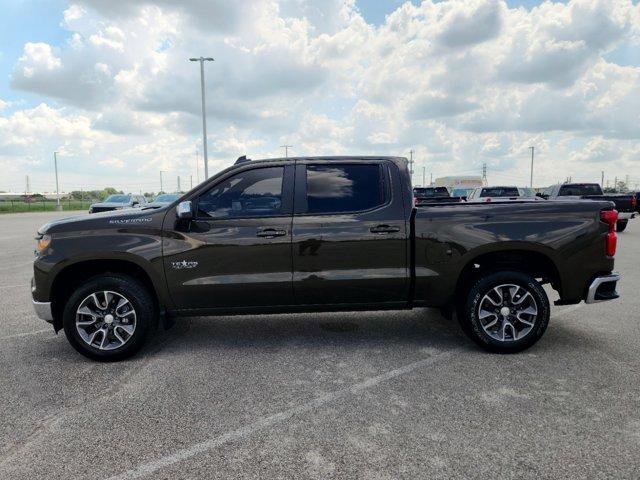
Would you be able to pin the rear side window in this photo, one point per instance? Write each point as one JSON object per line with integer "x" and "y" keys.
{"x": 570, "y": 190}
{"x": 344, "y": 188}
{"x": 249, "y": 194}
{"x": 499, "y": 192}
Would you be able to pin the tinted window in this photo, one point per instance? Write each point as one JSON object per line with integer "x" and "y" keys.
{"x": 587, "y": 189}
{"x": 166, "y": 198}
{"x": 118, "y": 198}
{"x": 344, "y": 188}
{"x": 499, "y": 192}
{"x": 431, "y": 192}
{"x": 252, "y": 193}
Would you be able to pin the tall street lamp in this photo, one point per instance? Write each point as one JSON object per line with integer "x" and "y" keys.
{"x": 204, "y": 117}
{"x": 531, "y": 181}
{"x": 55, "y": 165}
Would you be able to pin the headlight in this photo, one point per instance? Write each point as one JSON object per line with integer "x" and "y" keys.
{"x": 43, "y": 243}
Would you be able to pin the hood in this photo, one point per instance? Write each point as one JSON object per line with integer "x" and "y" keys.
{"x": 99, "y": 221}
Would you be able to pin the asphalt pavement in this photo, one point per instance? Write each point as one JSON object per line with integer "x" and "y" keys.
{"x": 369, "y": 395}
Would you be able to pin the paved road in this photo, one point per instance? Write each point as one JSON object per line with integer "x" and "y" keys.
{"x": 367, "y": 395}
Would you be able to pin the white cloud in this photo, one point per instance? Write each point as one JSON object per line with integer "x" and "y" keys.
{"x": 460, "y": 82}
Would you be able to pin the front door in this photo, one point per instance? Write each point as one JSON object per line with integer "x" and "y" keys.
{"x": 349, "y": 234}
{"x": 236, "y": 252}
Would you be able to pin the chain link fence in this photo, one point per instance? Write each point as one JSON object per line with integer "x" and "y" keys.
{"x": 41, "y": 204}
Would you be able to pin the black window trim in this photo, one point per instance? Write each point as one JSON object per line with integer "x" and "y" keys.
{"x": 300, "y": 195}
{"x": 287, "y": 193}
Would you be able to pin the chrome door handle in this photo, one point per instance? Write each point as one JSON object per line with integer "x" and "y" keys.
{"x": 268, "y": 232}
{"x": 384, "y": 229}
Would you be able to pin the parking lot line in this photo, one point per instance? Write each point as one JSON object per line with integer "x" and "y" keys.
{"x": 26, "y": 334}
{"x": 14, "y": 286}
{"x": 154, "y": 465}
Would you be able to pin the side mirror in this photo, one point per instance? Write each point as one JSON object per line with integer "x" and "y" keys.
{"x": 135, "y": 203}
{"x": 184, "y": 210}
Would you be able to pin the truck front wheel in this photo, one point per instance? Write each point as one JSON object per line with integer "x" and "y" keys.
{"x": 505, "y": 312}
{"x": 621, "y": 225}
{"x": 109, "y": 317}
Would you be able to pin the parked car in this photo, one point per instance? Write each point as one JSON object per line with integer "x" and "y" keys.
{"x": 320, "y": 234}
{"x": 118, "y": 202}
{"x": 490, "y": 194}
{"x": 164, "y": 199}
{"x": 424, "y": 195}
{"x": 626, "y": 203}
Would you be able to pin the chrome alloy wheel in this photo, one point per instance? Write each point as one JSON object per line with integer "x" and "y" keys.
{"x": 507, "y": 312}
{"x": 106, "y": 320}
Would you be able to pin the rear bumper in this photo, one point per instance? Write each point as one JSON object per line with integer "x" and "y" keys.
{"x": 626, "y": 215}
{"x": 603, "y": 288}
{"x": 43, "y": 310}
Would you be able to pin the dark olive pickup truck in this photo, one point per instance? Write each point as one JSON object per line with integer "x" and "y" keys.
{"x": 320, "y": 234}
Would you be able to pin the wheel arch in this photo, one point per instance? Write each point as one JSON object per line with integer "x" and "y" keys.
{"x": 532, "y": 262}
{"x": 72, "y": 275}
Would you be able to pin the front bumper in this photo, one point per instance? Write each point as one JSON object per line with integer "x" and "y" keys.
{"x": 603, "y": 288}
{"x": 43, "y": 310}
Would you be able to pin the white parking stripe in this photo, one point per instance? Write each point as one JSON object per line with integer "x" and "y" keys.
{"x": 27, "y": 334}
{"x": 15, "y": 286}
{"x": 242, "y": 432}
{"x": 11, "y": 267}
{"x": 569, "y": 309}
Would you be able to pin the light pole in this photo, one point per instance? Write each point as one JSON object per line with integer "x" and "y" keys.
{"x": 161, "y": 181}
{"x": 55, "y": 165}
{"x": 531, "y": 182}
{"x": 204, "y": 115}
{"x": 286, "y": 150}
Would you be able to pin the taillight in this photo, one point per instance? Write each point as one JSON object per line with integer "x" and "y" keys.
{"x": 634, "y": 202}
{"x": 610, "y": 217}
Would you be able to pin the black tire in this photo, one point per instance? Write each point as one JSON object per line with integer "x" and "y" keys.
{"x": 622, "y": 225}
{"x": 472, "y": 325}
{"x": 139, "y": 297}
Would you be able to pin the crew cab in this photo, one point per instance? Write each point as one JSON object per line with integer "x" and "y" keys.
{"x": 625, "y": 203}
{"x": 320, "y": 234}
{"x": 433, "y": 194}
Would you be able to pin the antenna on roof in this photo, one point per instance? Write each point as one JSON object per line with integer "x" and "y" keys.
{"x": 242, "y": 159}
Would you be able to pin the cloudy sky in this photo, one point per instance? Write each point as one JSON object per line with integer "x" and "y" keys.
{"x": 109, "y": 86}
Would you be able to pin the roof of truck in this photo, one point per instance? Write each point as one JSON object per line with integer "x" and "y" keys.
{"x": 337, "y": 158}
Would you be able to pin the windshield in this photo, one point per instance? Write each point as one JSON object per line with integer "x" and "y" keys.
{"x": 583, "y": 189}
{"x": 527, "y": 192}
{"x": 431, "y": 192}
{"x": 499, "y": 192}
{"x": 462, "y": 192}
{"x": 166, "y": 198}
{"x": 118, "y": 198}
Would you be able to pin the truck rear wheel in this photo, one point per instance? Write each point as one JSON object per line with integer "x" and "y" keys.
{"x": 110, "y": 317}
{"x": 621, "y": 225}
{"x": 505, "y": 312}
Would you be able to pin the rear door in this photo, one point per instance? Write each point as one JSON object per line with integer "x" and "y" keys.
{"x": 236, "y": 252}
{"x": 349, "y": 234}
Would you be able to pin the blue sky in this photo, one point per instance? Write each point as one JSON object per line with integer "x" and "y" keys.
{"x": 478, "y": 83}
{"x": 40, "y": 21}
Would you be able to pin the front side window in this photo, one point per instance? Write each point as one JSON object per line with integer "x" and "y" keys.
{"x": 344, "y": 188}
{"x": 248, "y": 194}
